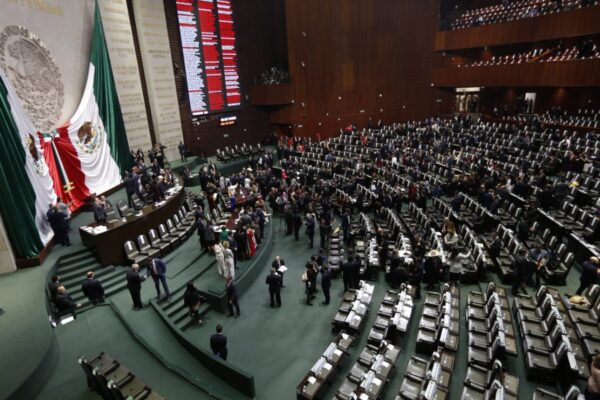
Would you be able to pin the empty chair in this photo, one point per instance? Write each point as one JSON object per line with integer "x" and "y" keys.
{"x": 155, "y": 241}
{"x": 174, "y": 231}
{"x": 543, "y": 394}
{"x": 166, "y": 236}
{"x": 145, "y": 247}
{"x": 133, "y": 254}
{"x": 545, "y": 365}
{"x": 485, "y": 355}
{"x": 479, "y": 379}
{"x": 123, "y": 208}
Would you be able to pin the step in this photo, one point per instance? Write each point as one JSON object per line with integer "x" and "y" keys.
{"x": 185, "y": 325}
{"x": 178, "y": 304}
{"x": 64, "y": 261}
{"x": 76, "y": 254}
{"x": 76, "y": 277}
{"x": 115, "y": 279}
{"x": 180, "y": 316}
{"x": 82, "y": 264}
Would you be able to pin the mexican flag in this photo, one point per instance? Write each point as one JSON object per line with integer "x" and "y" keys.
{"x": 26, "y": 187}
{"x": 85, "y": 155}
{"x": 90, "y": 151}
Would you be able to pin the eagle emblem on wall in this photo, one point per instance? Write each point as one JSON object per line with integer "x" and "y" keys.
{"x": 33, "y": 73}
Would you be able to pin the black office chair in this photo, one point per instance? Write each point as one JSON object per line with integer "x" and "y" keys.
{"x": 133, "y": 254}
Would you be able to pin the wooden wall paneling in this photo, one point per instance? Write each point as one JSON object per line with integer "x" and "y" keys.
{"x": 356, "y": 50}
{"x": 562, "y": 73}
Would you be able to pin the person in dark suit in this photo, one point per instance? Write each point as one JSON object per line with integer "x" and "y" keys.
{"x": 326, "y": 283}
{"x": 346, "y": 268}
{"x": 311, "y": 281}
{"x": 182, "y": 151}
{"x": 134, "y": 285}
{"x": 355, "y": 271}
{"x": 232, "y": 298}
{"x": 277, "y": 264}
{"x": 296, "y": 220}
{"x": 53, "y": 286}
{"x": 64, "y": 302}
{"x": 129, "y": 183}
{"x": 590, "y": 270}
{"x": 521, "y": 270}
{"x": 93, "y": 289}
{"x": 59, "y": 222}
{"x": 99, "y": 211}
{"x": 346, "y": 225}
{"x": 218, "y": 343}
{"x": 495, "y": 246}
{"x": 158, "y": 272}
{"x": 274, "y": 282}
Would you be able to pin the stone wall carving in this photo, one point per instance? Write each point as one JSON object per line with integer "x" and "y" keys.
{"x": 31, "y": 70}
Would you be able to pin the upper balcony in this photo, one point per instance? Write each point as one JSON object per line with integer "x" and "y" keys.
{"x": 566, "y": 24}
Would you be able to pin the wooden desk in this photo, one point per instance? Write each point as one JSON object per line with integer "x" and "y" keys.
{"x": 108, "y": 245}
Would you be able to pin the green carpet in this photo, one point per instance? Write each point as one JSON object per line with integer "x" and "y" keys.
{"x": 278, "y": 346}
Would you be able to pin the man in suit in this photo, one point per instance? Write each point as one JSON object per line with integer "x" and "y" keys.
{"x": 326, "y": 283}
{"x": 158, "y": 272}
{"x": 274, "y": 282}
{"x": 134, "y": 285}
{"x": 53, "y": 286}
{"x": 590, "y": 270}
{"x": 521, "y": 270}
{"x": 182, "y": 151}
{"x": 60, "y": 225}
{"x": 346, "y": 268}
{"x": 99, "y": 211}
{"x": 218, "y": 343}
{"x": 129, "y": 183}
{"x": 346, "y": 225}
{"x": 277, "y": 264}
{"x": 64, "y": 302}
{"x": 232, "y": 298}
{"x": 355, "y": 271}
{"x": 93, "y": 289}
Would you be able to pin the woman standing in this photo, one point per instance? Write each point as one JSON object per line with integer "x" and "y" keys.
{"x": 229, "y": 271}
{"x": 220, "y": 256}
{"x": 251, "y": 240}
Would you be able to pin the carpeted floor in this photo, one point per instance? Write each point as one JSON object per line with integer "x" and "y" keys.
{"x": 278, "y": 346}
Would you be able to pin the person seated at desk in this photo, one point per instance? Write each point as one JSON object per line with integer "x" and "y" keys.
{"x": 451, "y": 239}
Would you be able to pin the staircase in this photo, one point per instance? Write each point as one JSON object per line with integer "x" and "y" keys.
{"x": 176, "y": 311}
{"x": 73, "y": 268}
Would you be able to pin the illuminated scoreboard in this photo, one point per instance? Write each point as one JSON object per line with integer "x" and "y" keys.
{"x": 208, "y": 42}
